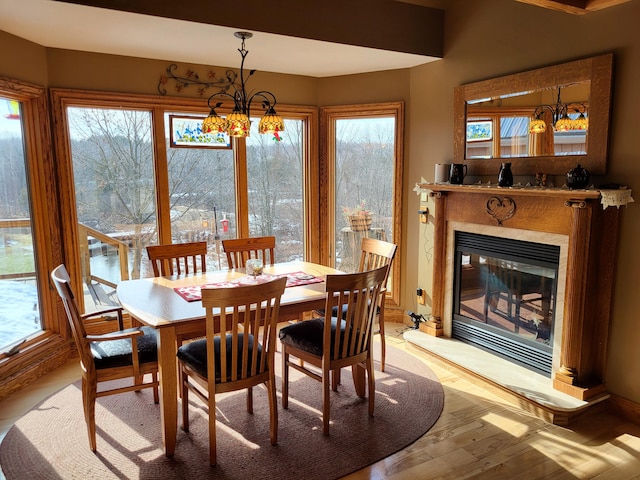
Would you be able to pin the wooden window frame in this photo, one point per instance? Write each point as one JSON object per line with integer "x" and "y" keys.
{"x": 50, "y": 347}
{"x": 158, "y": 106}
{"x": 328, "y": 117}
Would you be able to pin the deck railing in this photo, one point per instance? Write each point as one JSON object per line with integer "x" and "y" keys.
{"x": 86, "y": 237}
{"x": 15, "y": 223}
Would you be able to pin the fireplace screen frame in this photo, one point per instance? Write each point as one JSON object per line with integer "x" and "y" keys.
{"x": 531, "y": 354}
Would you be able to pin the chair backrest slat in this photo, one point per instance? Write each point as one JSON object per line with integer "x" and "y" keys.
{"x": 178, "y": 258}
{"x": 375, "y": 254}
{"x": 239, "y": 250}
{"x": 246, "y": 310}
{"x": 358, "y": 296}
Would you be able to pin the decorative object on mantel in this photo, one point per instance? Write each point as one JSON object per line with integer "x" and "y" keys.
{"x": 541, "y": 179}
{"x": 441, "y": 174}
{"x": 501, "y": 208}
{"x": 578, "y": 177}
{"x": 458, "y": 172}
{"x": 615, "y": 198}
{"x": 505, "y": 177}
{"x": 237, "y": 123}
{"x": 359, "y": 217}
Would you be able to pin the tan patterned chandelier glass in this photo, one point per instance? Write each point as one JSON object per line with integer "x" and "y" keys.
{"x": 238, "y": 122}
{"x": 560, "y": 120}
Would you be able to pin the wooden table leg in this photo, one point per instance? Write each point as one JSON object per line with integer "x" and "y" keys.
{"x": 168, "y": 371}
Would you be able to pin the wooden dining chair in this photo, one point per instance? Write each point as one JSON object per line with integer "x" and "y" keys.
{"x": 178, "y": 258}
{"x": 331, "y": 343}
{"x": 239, "y": 349}
{"x": 375, "y": 254}
{"x": 239, "y": 250}
{"x": 130, "y": 353}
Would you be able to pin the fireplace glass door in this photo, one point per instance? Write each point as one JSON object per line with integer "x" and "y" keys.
{"x": 504, "y": 297}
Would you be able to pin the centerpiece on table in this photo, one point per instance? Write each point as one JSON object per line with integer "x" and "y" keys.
{"x": 359, "y": 217}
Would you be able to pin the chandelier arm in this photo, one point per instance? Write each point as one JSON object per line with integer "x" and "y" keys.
{"x": 218, "y": 94}
{"x": 540, "y": 110}
{"x": 269, "y": 99}
{"x": 241, "y": 100}
{"x": 576, "y": 106}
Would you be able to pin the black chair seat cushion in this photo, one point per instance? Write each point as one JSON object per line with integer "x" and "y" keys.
{"x": 334, "y": 311}
{"x": 117, "y": 353}
{"x": 194, "y": 354}
{"x": 307, "y": 335}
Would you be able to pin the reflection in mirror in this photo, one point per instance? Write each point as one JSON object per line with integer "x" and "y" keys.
{"x": 504, "y": 126}
{"x": 545, "y": 120}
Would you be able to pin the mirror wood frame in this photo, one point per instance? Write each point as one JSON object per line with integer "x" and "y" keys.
{"x": 596, "y": 70}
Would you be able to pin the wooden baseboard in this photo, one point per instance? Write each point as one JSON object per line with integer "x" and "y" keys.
{"x": 47, "y": 356}
{"x": 396, "y": 315}
{"x": 625, "y": 408}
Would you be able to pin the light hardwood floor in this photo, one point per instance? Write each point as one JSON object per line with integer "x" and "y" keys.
{"x": 478, "y": 435}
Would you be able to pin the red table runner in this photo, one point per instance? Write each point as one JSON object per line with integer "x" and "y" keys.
{"x": 294, "y": 279}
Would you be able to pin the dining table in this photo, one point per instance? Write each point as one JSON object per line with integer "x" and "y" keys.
{"x": 171, "y": 305}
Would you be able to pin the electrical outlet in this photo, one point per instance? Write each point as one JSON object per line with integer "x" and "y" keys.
{"x": 424, "y": 214}
{"x": 420, "y": 293}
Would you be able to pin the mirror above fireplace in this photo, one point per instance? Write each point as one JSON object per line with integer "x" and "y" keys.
{"x": 485, "y": 111}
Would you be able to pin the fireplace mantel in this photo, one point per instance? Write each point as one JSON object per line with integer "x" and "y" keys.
{"x": 591, "y": 237}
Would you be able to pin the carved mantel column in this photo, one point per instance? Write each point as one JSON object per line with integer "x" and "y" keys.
{"x": 573, "y": 325}
{"x": 433, "y": 326}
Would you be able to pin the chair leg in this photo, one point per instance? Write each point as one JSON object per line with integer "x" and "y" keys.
{"x": 336, "y": 376}
{"x": 372, "y": 385}
{"x": 383, "y": 345}
{"x": 89, "y": 395}
{"x": 285, "y": 378}
{"x": 250, "y": 400}
{"x": 273, "y": 409}
{"x": 185, "y": 400}
{"x": 212, "y": 428}
{"x": 156, "y": 398}
{"x": 325, "y": 402}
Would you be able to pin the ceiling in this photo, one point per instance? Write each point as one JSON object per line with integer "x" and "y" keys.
{"x": 62, "y": 25}
{"x": 72, "y": 25}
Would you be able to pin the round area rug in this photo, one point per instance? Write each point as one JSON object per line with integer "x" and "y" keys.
{"x": 51, "y": 440}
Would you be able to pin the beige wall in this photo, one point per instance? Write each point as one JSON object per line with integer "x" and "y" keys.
{"x": 483, "y": 39}
{"x": 92, "y": 71}
{"x": 489, "y": 38}
{"x": 22, "y": 60}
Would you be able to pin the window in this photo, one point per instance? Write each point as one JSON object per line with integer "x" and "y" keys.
{"x": 113, "y": 169}
{"x": 364, "y": 169}
{"x": 275, "y": 180}
{"x": 136, "y": 182}
{"x": 29, "y": 240}
{"x": 202, "y": 197}
{"x": 19, "y": 310}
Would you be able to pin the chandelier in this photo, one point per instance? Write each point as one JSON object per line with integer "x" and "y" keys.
{"x": 238, "y": 122}
{"x": 561, "y": 122}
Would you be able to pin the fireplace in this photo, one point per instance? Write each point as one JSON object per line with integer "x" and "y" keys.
{"x": 564, "y": 240}
{"x": 504, "y": 297}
